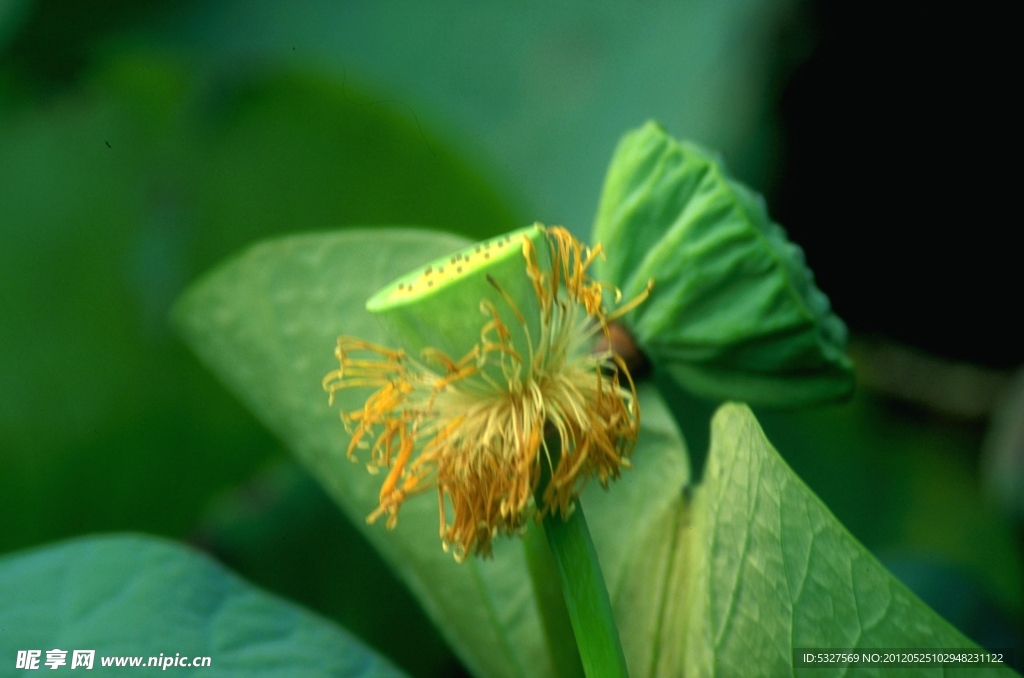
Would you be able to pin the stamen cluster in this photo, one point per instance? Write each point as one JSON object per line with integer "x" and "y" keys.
{"x": 479, "y": 427}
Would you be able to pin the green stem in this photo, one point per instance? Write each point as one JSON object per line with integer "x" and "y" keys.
{"x": 565, "y": 658}
{"x": 583, "y": 587}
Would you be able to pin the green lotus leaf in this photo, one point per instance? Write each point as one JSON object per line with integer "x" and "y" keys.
{"x": 734, "y": 313}
{"x": 128, "y": 598}
{"x": 752, "y": 565}
{"x": 726, "y": 577}
{"x": 267, "y": 321}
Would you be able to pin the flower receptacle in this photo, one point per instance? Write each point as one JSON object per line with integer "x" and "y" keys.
{"x": 444, "y": 304}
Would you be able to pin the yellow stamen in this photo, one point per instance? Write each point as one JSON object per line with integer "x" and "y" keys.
{"x": 480, "y": 422}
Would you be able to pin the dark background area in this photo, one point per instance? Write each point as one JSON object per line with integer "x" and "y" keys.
{"x": 897, "y": 175}
{"x": 143, "y": 142}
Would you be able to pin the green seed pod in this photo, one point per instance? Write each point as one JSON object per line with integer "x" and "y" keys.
{"x": 444, "y": 305}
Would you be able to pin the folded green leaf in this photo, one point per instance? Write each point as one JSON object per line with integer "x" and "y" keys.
{"x": 266, "y": 323}
{"x": 134, "y": 596}
{"x": 734, "y": 313}
{"x": 755, "y": 565}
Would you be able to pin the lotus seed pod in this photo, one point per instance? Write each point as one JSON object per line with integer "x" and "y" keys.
{"x": 444, "y": 304}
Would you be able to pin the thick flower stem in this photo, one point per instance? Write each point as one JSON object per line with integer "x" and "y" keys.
{"x": 584, "y": 590}
{"x": 554, "y": 617}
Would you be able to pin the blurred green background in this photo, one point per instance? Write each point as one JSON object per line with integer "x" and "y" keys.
{"x": 143, "y": 142}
